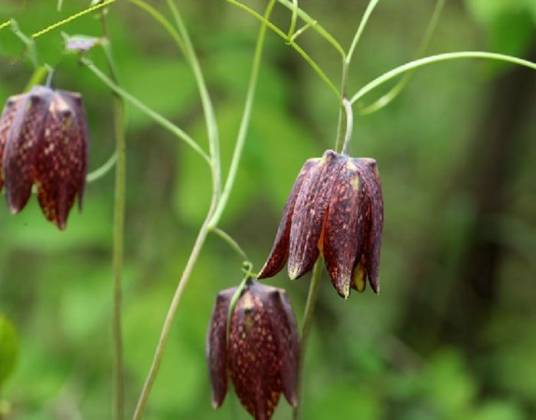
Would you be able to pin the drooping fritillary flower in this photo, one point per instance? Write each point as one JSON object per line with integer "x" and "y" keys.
{"x": 43, "y": 141}
{"x": 259, "y": 354}
{"x": 335, "y": 209}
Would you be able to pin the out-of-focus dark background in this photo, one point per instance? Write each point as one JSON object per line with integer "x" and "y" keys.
{"x": 452, "y": 334}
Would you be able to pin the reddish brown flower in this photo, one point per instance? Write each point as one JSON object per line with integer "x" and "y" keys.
{"x": 335, "y": 208}
{"x": 43, "y": 141}
{"x": 261, "y": 352}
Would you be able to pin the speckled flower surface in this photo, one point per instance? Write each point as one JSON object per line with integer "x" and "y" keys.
{"x": 260, "y": 354}
{"x": 335, "y": 209}
{"x": 43, "y": 142}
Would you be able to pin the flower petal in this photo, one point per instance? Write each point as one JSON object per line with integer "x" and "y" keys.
{"x": 309, "y": 213}
{"x": 371, "y": 179}
{"x": 216, "y": 349}
{"x": 279, "y": 253}
{"x": 60, "y": 160}
{"x": 284, "y": 325}
{"x": 6, "y": 122}
{"x": 22, "y": 142}
{"x": 344, "y": 227}
{"x": 82, "y": 140}
{"x": 253, "y": 353}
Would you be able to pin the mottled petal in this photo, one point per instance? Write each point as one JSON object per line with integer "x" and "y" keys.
{"x": 279, "y": 253}
{"x": 284, "y": 325}
{"x": 59, "y": 161}
{"x": 6, "y": 122}
{"x": 82, "y": 141}
{"x": 344, "y": 227}
{"x": 22, "y": 143}
{"x": 309, "y": 213}
{"x": 371, "y": 179}
{"x": 253, "y": 353}
{"x": 216, "y": 349}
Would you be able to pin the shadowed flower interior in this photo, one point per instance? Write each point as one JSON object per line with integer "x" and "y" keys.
{"x": 260, "y": 354}
{"x": 335, "y": 208}
{"x": 43, "y": 141}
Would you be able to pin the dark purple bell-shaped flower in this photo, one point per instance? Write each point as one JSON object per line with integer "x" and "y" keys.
{"x": 43, "y": 141}
{"x": 335, "y": 208}
{"x": 261, "y": 352}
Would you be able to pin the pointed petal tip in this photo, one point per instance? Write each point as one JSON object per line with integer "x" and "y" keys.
{"x": 264, "y": 273}
{"x": 13, "y": 209}
{"x": 215, "y": 403}
{"x": 294, "y": 273}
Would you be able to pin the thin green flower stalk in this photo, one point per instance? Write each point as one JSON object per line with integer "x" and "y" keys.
{"x": 155, "y": 116}
{"x": 347, "y": 59}
{"x": 209, "y": 224}
{"x": 436, "y": 59}
{"x": 119, "y": 228}
{"x": 244, "y": 123}
{"x": 183, "y": 41}
{"x": 103, "y": 170}
{"x": 206, "y": 102}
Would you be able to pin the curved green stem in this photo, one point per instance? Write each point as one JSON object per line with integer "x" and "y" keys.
{"x": 231, "y": 242}
{"x": 183, "y": 41}
{"x": 436, "y": 59}
{"x": 246, "y": 118}
{"x": 318, "y": 70}
{"x": 234, "y": 299}
{"x": 386, "y": 99}
{"x": 206, "y": 102}
{"x": 362, "y": 24}
{"x": 159, "y": 119}
{"x": 102, "y": 170}
{"x": 306, "y": 329}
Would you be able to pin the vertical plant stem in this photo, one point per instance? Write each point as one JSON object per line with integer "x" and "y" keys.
{"x": 306, "y": 329}
{"x": 118, "y": 256}
{"x": 118, "y": 230}
{"x": 349, "y": 116}
{"x": 341, "y": 120}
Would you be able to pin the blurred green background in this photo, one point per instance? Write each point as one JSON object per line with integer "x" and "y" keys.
{"x": 452, "y": 334}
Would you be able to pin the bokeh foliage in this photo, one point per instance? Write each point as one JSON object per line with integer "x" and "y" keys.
{"x": 364, "y": 363}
